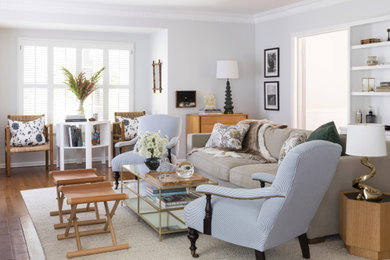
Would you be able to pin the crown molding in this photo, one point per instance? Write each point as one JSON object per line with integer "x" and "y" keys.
{"x": 82, "y": 8}
{"x": 296, "y": 8}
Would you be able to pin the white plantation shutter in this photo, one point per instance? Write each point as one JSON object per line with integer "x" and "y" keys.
{"x": 43, "y": 90}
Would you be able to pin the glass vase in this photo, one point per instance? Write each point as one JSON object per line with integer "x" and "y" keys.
{"x": 152, "y": 163}
{"x": 80, "y": 110}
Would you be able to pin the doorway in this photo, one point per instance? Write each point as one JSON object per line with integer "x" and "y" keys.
{"x": 321, "y": 95}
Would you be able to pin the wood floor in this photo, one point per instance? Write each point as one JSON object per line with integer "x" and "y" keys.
{"x": 12, "y": 207}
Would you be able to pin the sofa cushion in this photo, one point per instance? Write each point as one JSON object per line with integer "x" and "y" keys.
{"x": 290, "y": 143}
{"x": 227, "y": 136}
{"x": 242, "y": 175}
{"x": 274, "y": 139}
{"x": 131, "y": 126}
{"x": 217, "y": 167}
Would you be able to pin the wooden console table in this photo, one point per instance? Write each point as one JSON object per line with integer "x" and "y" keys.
{"x": 364, "y": 226}
{"x": 204, "y": 123}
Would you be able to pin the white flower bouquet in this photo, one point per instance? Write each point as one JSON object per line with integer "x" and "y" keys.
{"x": 151, "y": 144}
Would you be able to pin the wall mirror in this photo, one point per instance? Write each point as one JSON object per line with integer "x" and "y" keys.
{"x": 157, "y": 76}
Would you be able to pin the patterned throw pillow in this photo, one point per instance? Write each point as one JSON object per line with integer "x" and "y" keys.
{"x": 131, "y": 126}
{"x": 290, "y": 143}
{"x": 27, "y": 133}
{"x": 227, "y": 136}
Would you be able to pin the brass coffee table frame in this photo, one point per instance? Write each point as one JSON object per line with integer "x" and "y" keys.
{"x": 148, "y": 210}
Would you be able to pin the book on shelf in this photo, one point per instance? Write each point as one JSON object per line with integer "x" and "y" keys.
{"x": 75, "y": 136}
{"x": 382, "y": 89}
{"x": 75, "y": 118}
{"x": 210, "y": 111}
{"x": 176, "y": 200}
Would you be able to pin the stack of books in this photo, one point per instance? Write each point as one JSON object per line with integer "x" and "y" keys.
{"x": 176, "y": 200}
{"x": 75, "y": 118}
{"x": 384, "y": 87}
{"x": 153, "y": 192}
{"x": 210, "y": 111}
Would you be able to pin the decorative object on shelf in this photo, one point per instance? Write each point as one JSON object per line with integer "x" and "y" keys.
{"x": 96, "y": 135}
{"x": 368, "y": 84}
{"x": 359, "y": 117}
{"x": 372, "y": 61}
{"x": 227, "y": 69}
{"x": 153, "y": 146}
{"x": 366, "y": 140}
{"x": 271, "y": 63}
{"x": 186, "y": 99}
{"x": 81, "y": 86}
{"x": 157, "y": 76}
{"x": 271, "y": 95}
{"x": 371, "y": 40}
{"x": 370, "y": 117}
{"x": 185, "y": 169}
{"x": 209, "y": 102}
{"x": 388, "y": 35}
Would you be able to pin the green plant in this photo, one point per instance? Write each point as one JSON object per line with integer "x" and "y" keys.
{"x": 80, "y": 85}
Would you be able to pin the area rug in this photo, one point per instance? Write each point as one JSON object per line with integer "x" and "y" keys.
{"x": 144, "y": 243}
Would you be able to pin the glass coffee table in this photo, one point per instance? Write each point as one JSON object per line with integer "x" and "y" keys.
{"x": 147, "y": 200}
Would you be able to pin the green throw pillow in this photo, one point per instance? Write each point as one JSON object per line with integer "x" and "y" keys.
{"x": 326, "y": 132}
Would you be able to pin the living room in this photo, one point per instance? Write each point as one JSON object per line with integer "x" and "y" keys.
{"x": 186, "y": 40}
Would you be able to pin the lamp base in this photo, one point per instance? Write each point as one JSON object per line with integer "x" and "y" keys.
{"x": 228, "y": 99}
{"x": 367, "y": 192}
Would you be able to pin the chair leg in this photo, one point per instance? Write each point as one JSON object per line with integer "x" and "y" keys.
{"x": 304, "y": 243}
{"x": 8, "y": 164}
{"x": 51, "y": 160}
{"x": 193, "y": 236}
{"x": 116, "y": 177}
{"x": 47, "y": 159}
{"x": 259, "y": 255}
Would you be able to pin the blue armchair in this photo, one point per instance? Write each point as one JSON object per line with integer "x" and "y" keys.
{"x": 267, "y": 217}
{"x": 168, "y": 126}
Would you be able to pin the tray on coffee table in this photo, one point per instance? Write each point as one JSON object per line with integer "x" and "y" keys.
{"x": 171, "y": 178}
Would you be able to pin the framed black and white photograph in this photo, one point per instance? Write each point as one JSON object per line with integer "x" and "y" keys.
{"x": 271, "y": 95}
{"x": 271, "y": 63}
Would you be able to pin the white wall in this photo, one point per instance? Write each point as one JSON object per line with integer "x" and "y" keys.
{"x": 8, "y": 73}
{"x": 193, "y": 48}
{"x": 278, "y": 33}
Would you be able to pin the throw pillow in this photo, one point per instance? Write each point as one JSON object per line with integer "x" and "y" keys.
{"x": 131, "y": 126}
{"x": 27, "y": 133}
{"x": 326, "y": 132}
{"x": 294, "y": 140}
{"x": 227, "y": 136}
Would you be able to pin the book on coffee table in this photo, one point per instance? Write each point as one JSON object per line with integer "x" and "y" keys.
{"x": 176, "y": 200}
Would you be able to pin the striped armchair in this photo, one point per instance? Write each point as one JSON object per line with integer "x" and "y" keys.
{"x": 118, "y": 128}
{"x": 264, "y": 218}
{"x": 47, "y": 147}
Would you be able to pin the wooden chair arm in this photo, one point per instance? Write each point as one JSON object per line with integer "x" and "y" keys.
{"x": 123, "y": 130}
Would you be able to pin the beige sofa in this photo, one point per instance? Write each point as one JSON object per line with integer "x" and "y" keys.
{"x": 236, "y": 172}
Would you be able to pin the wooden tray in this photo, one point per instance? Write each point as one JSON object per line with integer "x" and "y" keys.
{"x": 173, "y": 179}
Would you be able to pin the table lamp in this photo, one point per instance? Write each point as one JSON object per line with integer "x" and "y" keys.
{"x": 366, "y": 140}
{"x": 227, "y": 69}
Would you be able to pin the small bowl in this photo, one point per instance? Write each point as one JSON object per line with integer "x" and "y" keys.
{"x": 185, "y": 170}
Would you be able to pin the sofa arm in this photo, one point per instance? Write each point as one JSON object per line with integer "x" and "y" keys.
{"x": 197, "y": 140}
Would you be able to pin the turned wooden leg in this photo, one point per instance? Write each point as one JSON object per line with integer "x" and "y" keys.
{"x": 8, "y": 163}
{"x": 304, "y": 243}
{"x": 193, "y": 236}
{"x": 116, "y": 177}
{"x": 262, "y": 184}
{"x": 259, "y": 255}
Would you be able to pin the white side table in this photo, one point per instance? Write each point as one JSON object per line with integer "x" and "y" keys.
{"x": 62, "y": 141}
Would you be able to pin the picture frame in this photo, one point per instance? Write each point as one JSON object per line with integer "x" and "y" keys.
{"x": 271, "y": 95}
{"x": 157, "y": 76}
{"x": 271, "y": 63}
{"x": 185, "y": 98}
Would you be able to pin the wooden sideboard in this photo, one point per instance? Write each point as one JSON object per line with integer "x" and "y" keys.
{"x": 204, "y": 123}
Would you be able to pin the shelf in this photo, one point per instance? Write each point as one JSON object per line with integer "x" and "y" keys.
{"x": 83, "y": 147}
{"x": 376, "y": 67}
{"x": 378, "y": 94}
{"x": 371, "y": 45}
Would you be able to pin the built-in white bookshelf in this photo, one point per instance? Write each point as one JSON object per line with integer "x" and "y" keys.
{"x": 359, "y": 53}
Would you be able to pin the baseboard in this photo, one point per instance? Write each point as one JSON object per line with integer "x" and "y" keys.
{"x": 41, "y": 163}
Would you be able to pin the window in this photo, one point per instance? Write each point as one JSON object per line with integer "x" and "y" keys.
{"x": 322, "y": 80}
{"x": 42, "y": 90}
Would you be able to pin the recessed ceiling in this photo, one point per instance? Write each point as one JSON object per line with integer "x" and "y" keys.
{"x": 248, "y": 7}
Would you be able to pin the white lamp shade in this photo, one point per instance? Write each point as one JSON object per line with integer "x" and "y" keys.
{"x": 367, "y": 140}
{"x": 227, "y": 69}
